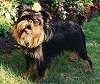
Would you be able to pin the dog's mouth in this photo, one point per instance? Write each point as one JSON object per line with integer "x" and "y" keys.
{"x": 26, "y": 36}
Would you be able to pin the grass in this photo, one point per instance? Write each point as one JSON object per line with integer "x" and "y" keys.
{"x": 62, "y": 71}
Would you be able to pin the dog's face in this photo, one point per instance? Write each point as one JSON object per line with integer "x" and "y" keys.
{"x": 28, "y": 31}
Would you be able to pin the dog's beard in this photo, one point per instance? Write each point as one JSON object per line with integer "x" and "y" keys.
{"x": 31, "y": 40}
{"x": 29, "y": 35}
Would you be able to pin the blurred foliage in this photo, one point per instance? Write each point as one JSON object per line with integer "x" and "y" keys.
{"x": 68, "y": 2}
{"x": 4, "y": 27}
{"x": 7, "y": 14}
{"x": 8, "y": 10}
{"x": 81, "y": 3}
{"x": 28, "y": 2}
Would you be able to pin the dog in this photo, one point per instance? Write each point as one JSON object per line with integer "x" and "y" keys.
{"x": 42, "y": 41}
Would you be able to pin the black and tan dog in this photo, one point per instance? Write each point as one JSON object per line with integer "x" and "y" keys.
{"x": 41, "y": 42}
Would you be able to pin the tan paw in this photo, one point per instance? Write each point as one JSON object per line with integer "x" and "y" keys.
{"x": 73, "y": 57}
{"x": 87, "y": 68}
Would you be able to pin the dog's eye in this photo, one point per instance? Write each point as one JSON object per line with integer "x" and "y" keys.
{"x": 37, "y": 21}
{"x": 26, "y": 29}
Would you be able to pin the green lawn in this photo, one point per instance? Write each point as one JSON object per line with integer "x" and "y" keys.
{"x": 62, "y": 71}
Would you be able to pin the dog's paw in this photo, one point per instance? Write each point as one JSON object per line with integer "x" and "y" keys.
{"x": 73, "y": 57}
{"x": 87, "y": 68}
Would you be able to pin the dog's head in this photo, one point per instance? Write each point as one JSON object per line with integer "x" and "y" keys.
{"x": 28, "y": 30}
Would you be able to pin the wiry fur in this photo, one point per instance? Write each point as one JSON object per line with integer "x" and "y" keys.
{"x": 42, "y": 41}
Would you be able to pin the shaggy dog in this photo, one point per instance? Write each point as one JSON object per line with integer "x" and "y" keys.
{"x": 42, "y": 41}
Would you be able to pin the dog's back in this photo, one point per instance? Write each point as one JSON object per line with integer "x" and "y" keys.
{"x": 65, "y": 36}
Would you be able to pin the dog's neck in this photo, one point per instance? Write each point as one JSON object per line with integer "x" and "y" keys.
{"x": 48, "y": 32}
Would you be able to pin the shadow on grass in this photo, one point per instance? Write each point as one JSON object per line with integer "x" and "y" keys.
{"x": 60, "y": 72}
{"x": 15, "y": 61}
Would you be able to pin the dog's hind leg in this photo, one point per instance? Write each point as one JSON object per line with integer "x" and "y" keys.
{"x": 80, "y": 48}
{"x": 87, "y": 61}
{"x": 73, "y": 56}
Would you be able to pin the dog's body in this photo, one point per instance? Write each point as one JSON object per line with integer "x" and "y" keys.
{"x": 41, "y": 41}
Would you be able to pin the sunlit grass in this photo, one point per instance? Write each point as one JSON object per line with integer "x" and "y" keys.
{"x": 8, "y": 77}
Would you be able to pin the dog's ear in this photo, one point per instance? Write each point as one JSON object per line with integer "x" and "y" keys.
{"x": 46, "y": 16}
{"x": 20, "y": 8}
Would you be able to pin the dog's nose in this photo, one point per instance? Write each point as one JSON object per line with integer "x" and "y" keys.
{"x": 27, "y": 44}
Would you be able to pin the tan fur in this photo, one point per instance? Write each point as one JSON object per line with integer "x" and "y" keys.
{"x": 87, "y": 67}
{"x": 73, "y": 56}
{"x": 33, "y": 36}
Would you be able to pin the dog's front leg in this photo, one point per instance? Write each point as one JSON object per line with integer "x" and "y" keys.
{"x": 41, "y": 64}
{"x": 32, "y": 68}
